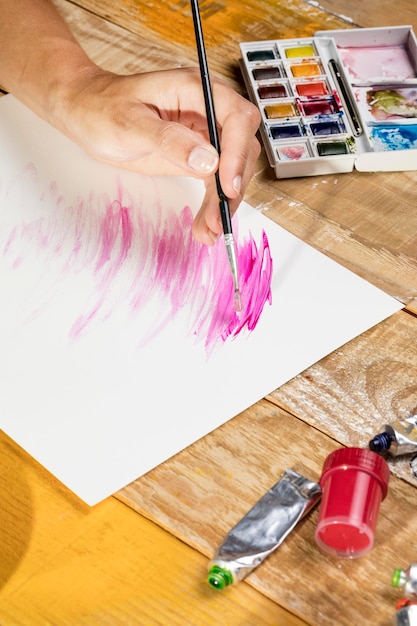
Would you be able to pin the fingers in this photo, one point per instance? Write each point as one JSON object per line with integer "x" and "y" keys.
{"x": 239, "y": 152}
{"x": 239, "y": 120}
{"x": 168, "y": 148}
{"x": 121, "y": 120}
{"x": 171, "y": 143}
{"x": 156, "y": 124}
{"x": 207, "y": 225}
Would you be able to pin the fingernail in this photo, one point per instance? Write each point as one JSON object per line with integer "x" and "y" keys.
{"x": 202, "y": 161}
{"x": 237, "y": 183}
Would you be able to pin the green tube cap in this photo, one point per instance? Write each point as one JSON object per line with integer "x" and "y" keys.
{"x": 219, "y": 577}
{"x": 397, "y": 577}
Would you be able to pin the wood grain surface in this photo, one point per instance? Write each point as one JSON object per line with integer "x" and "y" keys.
{"x": 145, "y": 563}
{"x": 372, "y": 14}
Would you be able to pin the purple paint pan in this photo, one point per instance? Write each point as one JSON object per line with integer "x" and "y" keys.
{"x": 329, "y": 126}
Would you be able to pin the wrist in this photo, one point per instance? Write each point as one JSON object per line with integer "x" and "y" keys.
{"x": 65, "y": 93}
{"x": 51, "y": 82}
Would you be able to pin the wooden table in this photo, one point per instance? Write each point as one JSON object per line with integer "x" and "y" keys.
{"x": 140, "y": 557}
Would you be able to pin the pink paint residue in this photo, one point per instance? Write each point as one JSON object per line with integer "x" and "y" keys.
{"x": 134, "y": 255}
{"x": 377, "y": 63}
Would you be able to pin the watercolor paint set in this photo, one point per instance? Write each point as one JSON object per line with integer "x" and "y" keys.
{"x": 339, "y": 100}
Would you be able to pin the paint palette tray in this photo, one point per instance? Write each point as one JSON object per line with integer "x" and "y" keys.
{"x": 340, "y": 100}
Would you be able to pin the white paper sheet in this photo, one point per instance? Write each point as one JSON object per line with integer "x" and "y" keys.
{"x": 119, "y": 344}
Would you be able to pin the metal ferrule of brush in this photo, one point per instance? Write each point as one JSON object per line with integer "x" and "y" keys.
{"x": 231, "y": 253}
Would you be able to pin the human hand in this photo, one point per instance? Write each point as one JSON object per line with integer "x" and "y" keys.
{"x": 155, "y": 123}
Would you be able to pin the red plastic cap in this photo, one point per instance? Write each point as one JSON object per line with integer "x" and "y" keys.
{"x": 354, "y": 482}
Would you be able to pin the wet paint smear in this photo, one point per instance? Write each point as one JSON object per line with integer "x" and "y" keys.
{"x": 377, "y": 63}
{"x": 132, "y": 256}
{"x": 390, "y": 104}
{"x": 293, "y": 152}
{"x": 391, "y": 137}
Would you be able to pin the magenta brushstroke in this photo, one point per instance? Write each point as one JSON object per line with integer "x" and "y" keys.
{"x": 134, "y": 256}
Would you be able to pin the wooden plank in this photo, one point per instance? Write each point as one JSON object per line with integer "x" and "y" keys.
{"x": 203, "y": 491}
{"x": 65, "y": 563}
{"x": 225, "y": 23}
{"x": 373, "y": 14}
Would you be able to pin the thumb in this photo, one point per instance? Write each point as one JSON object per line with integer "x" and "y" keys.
{"x": 186, "y": 150}
{"x": 203, "y": 160}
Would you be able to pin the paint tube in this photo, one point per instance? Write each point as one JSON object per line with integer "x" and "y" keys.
{"x": 263, "y": 529}
{"x": 406, "y": 579}
{"x": 407, "y": 616}
{"x": 397, "y": 438}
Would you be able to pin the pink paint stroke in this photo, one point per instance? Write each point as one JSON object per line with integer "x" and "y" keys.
{"x": 135, "y": 255}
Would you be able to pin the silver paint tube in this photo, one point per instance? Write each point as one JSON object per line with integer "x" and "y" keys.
{"x": 399, "y": 437}
{"x": 407, "y": 616}
{"x": 263, "y": 529}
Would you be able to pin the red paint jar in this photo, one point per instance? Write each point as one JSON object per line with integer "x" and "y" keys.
{"x": 354, "y": 482}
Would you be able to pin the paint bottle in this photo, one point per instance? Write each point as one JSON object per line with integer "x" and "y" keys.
{"x": 354, "y": 482}
{"x": 406, "y": 579}
{"x": 399, "y": 437}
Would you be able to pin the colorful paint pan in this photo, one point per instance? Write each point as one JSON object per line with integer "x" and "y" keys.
{"x": 260, "y": 55}
{"x": 327, "y": 127}
{"x": 266, "y": 73}
{"x": 280, "y": 110}
{"x": 304, "y": 70}
{"x": 286, "y": 131}
{"x": 312, "y": 89}
{"x": 318, "y": 107}
{"x": 306, "y": 50}
{"x": 332, "y": 148}
{"x": 268, "y": 92}
{"x": 293, "y": 151}
{"x": 330, "y": 101}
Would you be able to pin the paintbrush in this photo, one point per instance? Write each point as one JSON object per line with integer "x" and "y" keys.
{"x": 214, "y": 140}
